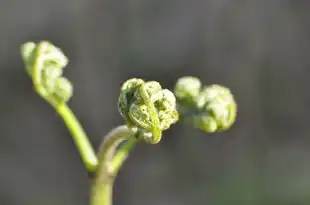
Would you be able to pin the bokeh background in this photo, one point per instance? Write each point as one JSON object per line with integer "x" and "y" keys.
{"x": 258, "y": 48}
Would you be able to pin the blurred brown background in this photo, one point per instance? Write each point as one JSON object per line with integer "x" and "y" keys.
{"x": 258, "y": 48}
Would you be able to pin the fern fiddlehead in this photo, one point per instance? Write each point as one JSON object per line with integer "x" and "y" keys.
{"x": 210, "y": 108}
{"x": 147, "y": 107}
{"x": 44, "y": 64}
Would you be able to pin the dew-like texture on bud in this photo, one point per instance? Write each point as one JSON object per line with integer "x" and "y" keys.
{"x": 218, "y": 102}
{"x": 148, "y": 107}
{"x": 187, "y": 89}
{"x": 45, "y": 63}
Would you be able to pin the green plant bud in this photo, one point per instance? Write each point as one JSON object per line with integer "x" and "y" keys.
{"x": 63, "y": 90}
{"x": 148, "y": 107}
{"x": 205, "y": 123}
{"x": 44, "y": 63}
{"x": 187, "y": 89}
{"x": 53, "y": 56}
{"x": 28, "y": 55}
{"x": 49, "y": 77}
{"x": 127, "y": 97}
{"x": 45, "y": 52}
{"x": 219, "y": 104}
{"x": 167, "y": 111}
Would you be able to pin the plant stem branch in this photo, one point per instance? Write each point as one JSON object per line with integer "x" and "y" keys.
{"x": 121, "y": 155}
{"x": 111, "y": 157}
{"x": 79, "y": 136}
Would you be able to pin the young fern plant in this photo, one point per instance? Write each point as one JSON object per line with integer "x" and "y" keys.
{"x": 146, "y": 107}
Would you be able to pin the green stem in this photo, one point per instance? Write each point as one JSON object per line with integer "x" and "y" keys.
{"x": 121, "y": 155}
{"x": 102, "y": 194}
{"x": 79, "y": 136}
{"x": 111, "y": 158}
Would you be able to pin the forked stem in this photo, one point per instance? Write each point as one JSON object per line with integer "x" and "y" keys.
{"x": 111, "y": 157}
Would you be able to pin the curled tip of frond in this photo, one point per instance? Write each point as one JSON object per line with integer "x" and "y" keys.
{"x": 219, "y": 104}
{"x": 187, "y": 89}
{"x": 148, "y": 107}
{"x": 214, "y": 107}
{"x": 45, "y": 63}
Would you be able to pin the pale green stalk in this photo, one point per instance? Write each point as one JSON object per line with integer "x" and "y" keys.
{"x": 111, "y": 157}
{"x": 79, "y": 137}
